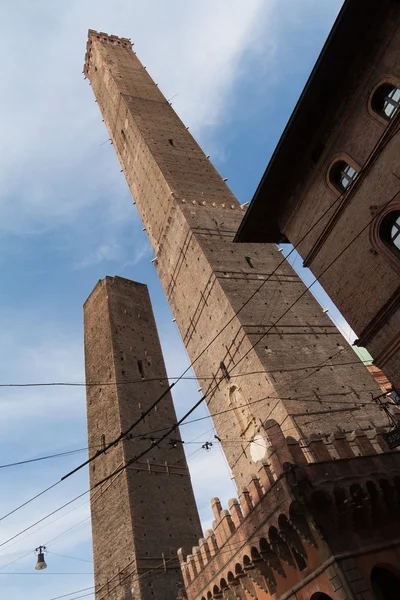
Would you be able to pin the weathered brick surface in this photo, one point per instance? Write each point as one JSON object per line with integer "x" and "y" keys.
{"x": 191, "y": 217}
{"x": 140, "y": 518}
{"x": 363, "y": 282}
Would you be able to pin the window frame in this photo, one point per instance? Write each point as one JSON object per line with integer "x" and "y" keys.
{"x": 351, "y": 163}
{"x": 378, "y": 243}
{"x": 391, "y": 219}
{"x": 373, "y": 113}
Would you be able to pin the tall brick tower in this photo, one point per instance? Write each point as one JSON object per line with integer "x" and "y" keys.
{"x": 293, "y": 367}
{"x": 145, "y": 513}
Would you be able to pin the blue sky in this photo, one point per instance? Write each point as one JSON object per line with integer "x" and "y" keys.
{"x": 236, "y": 69}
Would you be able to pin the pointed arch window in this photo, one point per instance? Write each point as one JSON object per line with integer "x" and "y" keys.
{"x": 385, "y": 100}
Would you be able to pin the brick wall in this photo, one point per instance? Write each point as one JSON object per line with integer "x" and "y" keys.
{"x": 145, "y": 513}
{"x": 302, "y": 370}
{"x": 364, "y": 281}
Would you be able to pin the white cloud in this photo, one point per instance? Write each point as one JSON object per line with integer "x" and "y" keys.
{"x": 51, "y": 126}
{"x": 58, "y": 178}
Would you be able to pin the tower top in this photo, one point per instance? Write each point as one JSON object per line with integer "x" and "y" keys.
{"x": 104, "y": 38}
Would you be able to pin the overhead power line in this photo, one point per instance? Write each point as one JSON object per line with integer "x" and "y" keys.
{"x": 173, "y": 427}
{"x": 43, "y": 518}
{"x": 212, "y": 390}
{"x": 156, "y": 402}
{"x": 152, "y": 379}
{"x": 40, "y": 458}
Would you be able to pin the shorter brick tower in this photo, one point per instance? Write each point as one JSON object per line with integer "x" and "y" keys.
{"x": 144, "y": 513}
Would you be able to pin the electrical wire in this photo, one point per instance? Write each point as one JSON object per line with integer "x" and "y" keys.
{"x": 245, "y": 355}
{"x": 87, "y": 519}
{"x": 71, "y": 557}
{"x": 301, "y": 398}
{"x": 209, "y": 392}
{"x": 32, "y": 460}
{"x": 176, "y": 425}
{"x": 45, "y": 517}
{"x": 156, "y": 402}
{"x": 238, "y": 441}
{"x": 40, "y": 574}
{"x": 151, "y": 379}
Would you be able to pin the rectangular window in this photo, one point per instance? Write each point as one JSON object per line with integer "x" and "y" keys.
{"x": 141, "y": 368}
{"x": 225, "y": 372}
{"x": 249, "y": 262}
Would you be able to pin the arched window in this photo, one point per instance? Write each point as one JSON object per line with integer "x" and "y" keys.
{"x": 385, "y": 584}
{"x": 342, "y": 175}
{"x": 386, "y": 100}
{"x": 239, "y": 405}
{"x": 389, "y": 231}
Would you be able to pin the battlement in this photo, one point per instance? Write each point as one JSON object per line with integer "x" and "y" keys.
{"x": 270, "y": 533}
{"x": 104, "y": 38}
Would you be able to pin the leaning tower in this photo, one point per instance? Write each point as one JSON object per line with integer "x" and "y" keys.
{"x": 279, "y": 378}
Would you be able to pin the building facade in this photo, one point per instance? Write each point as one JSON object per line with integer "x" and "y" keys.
{"x": 338, "y": 200}
{"x": 319, "y": 488}
{"x": 141, "y": 514}
{"x": 246, "y": 318}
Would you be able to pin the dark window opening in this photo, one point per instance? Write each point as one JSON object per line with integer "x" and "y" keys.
{"x": 342, "y": 175}
{"x": 249, "y": 262}
{"x": 141, "y": 368}
{"x": 385, "y": 585}
{"x": 123, "y": 133}
{"x": 301, "y": 563}
{"x": 225, "y": 372}
{"x": 386, "y": 100}
{"x": 390, "y": 231}
{"x": 171, "y": 142}
{"x": 103, "y": 442}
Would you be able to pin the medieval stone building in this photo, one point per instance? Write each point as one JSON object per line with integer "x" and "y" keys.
{"x": 338, "y": 200}
{"x": 141, "y": 515}
{"x": 319, "y": 489}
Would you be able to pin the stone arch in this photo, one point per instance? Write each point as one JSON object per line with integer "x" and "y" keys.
{"x": 238, "y": 569}
{"x": 222, "y": 584}
{"x": 254, "y": 553}
{"x": 246, "y": 561}
{"x": 280, "y": 547}
{"x": 209, "y": 596}
{"x": 230, "y": 577}
{"x": 293, "y": 540}
{"x": 274, "y": 434}
{"x": 216, "y": 592}
{"x": 341, "y": 497}
{"x": 298, "y": 517}
{"x": 385, "y": 582}
{"x": 270, "y": 557}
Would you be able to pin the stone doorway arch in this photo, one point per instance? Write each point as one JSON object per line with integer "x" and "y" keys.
{"x": 385, "y": 584}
